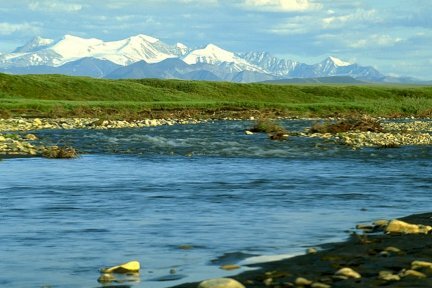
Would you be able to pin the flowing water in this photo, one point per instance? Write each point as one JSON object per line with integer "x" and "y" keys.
{"x": 178, "y": 197}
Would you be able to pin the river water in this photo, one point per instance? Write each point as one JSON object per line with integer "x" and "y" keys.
{"x": 178, "y": 197}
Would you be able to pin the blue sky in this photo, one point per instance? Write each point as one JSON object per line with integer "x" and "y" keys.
{"x": 395, "y": 36}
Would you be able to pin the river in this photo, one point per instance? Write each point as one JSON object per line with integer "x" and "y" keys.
{"x": 178, "y": 197}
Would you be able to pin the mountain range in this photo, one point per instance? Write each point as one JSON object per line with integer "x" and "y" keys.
{"x": 143, "y": 56}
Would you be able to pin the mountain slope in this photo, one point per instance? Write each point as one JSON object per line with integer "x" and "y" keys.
{"x": 71, "y": 48}
{"x": 319, "y": 80}
{"x": 143, "y": 56}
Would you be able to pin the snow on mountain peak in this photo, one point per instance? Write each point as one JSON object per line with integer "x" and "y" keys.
{"x": 214, "y": 55}
{"x": 211, "y": 54}
{"x": 338, "y": 62}
{"x": 34, "y": 44}
{"x": 145, "y": 38}
{"x": 181, "y": 46}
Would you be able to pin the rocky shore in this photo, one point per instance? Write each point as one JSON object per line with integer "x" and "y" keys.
{"x": 14, "y": 143}
{"x": 386, "y": 134}
{"x": 392, "y": 134}
{"x": 396, "y": 253}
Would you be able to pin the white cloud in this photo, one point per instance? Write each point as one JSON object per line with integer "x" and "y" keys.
{"x": 359, "y": 16}
{"x": 54, "y": 6}
{"x": 281, "y": 5}
{"x": 10, "y": 28}
{"x": 376, "y": 40}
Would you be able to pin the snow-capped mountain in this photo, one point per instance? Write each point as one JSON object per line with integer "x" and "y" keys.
{"x": 70, "y": 48}
{"x": 272, "y": 65}
{"x": 34, "y": 45}
{"x": 144, "y": 56}
{"x": 214, "y": 55}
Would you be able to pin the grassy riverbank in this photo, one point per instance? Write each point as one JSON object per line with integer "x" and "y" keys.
{"x": 65, "y": 96}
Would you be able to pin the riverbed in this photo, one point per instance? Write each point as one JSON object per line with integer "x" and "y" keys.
{"x": 177, "y": 197}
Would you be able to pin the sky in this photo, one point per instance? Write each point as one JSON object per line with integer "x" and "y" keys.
{"x": 394, "y": 36}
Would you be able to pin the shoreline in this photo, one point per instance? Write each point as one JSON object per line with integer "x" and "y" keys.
{"x": 380, "y": 259}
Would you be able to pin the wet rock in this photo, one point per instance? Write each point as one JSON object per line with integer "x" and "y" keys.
{"x": 247, "y": 132}
{"x": 380, "y": 223}
{"x": 311, "y": 250}
{"x": 106, "y": 278}
{"x": 397, "y": 226}
{"x": 393, "y": 250}
{"x": 278, "y": 136}
{"x": 268, "y": 281}
{"x": 421, "y": 264}
{"x": 31, "y": 137}
{"x": 388, "y": 276}
{"x": 128, "y": 267}
{"x": 221, "y": 283}
{"x": 300, "y": 281}
{"x": 319, "y": 285}
{"x": 60, "y": 152}
{"x": 229, "y": 267}
{"x": 348, "y": 273}
{"x": 412, "y": 273}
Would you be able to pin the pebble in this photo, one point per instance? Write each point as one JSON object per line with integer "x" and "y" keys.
{"x": 221, "y": 283}
{"x": 412, "y": 273}
{"x": 393, "y": 250}
{"x": 421, "y": 264}
{"x": 388, "y": 276}
{"x": 348, "y": 272}
{"x": 229, "y": 267}
{"x": 319, "y": 285}
{"x": 300, "y": 281}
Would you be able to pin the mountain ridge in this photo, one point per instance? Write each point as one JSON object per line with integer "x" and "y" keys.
{"x": 104, "y": 58}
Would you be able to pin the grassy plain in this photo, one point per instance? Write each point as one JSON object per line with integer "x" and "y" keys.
{"x": 65, "y": 96}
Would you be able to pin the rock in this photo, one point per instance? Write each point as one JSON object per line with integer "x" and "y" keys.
{"x": 247, "y": 132}
{"x": 128, "y": 267}
{"x": 60, "y": 152}
{"x": 31, "y": 137}
{"x": 388, "y": 276}
{"x": 397, "y": 226}
{"x": 279, "y": 136}
{"x": 319, "y": 285}
{"x": 365, "y": 227}
{"x": 412, "y": 273}
{"x": 300, "y": 281}
{"x": 106, "y": 278}
{"x": 380, "y": 223}
{"x": 421, "y": 264}
{"x": 348, "y": 272}
{"x": 393, "y": 250}
{"x": 221, "y": 283}
{"x": 37, "y": 122}
{"x": 268, "y": 281}
{"x": 311, "y": 250}
{"x": 229, "y": 267}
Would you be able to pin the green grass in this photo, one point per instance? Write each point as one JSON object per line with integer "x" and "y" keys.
{"x": 59, "y": 95}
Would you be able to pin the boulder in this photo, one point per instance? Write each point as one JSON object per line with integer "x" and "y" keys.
{"x": 221, "y": 283}
{"x": 128, "y": 267}
{"x": 397, "y": 226}
{"x": 348, "y": 273}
